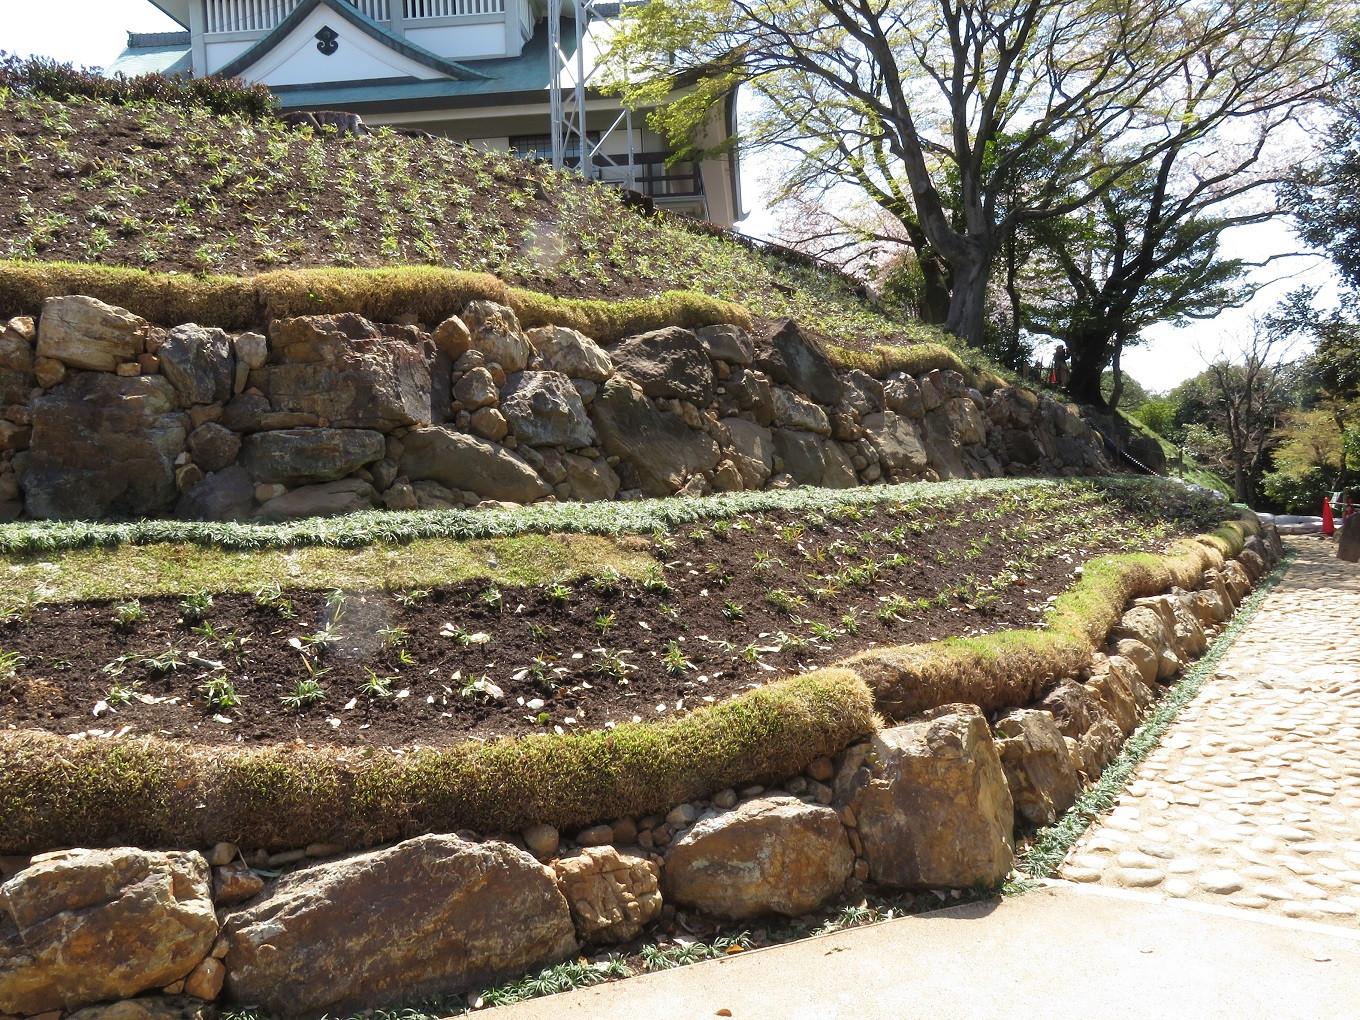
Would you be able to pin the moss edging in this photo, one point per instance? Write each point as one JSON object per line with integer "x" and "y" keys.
{"x": 1011, "y": 667}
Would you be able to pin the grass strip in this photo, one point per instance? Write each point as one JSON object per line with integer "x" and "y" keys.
{"x": 166, "y": 568}
{"x": 641, "y": 517}
{"x": 1050, "y": 846}
{"x": 152, "y": 792}
{"x": 395, "y": 527}
{"x": 1012, "y": 667}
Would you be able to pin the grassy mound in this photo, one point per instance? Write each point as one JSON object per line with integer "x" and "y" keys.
{"x": 154, "y": 793}
{"x": 178, "y": 190}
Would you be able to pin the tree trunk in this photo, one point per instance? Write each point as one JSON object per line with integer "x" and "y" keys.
{"x": 968, "y": 303}
{"x": 1088, "y": 352}
{"x": 935, "y": 291}
{"x": 1117, "y": 390}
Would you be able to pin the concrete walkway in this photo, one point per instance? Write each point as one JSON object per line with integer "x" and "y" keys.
{"x": 1063, "y": 951}
{"x": 1253, "y": 798}
{"x": 1226, "y": 882}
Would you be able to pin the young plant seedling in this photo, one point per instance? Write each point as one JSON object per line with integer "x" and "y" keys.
{"x": 195, "y": 606}
{"x": 127, "y": 615}
{"x": 219, "y": 693}
{"x": 306, "y": 693}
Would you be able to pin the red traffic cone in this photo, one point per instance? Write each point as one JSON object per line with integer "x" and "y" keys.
{"x": 1328, "y": 525}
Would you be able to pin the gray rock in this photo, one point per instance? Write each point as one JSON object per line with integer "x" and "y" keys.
{"x": 496, "y": 333}
{"x": 459, "y": 461}
{"x": 659, "y": 446}
{"x": 102, "y": 444}
{"x": 477, "y": 388}
{"x": 1039, "y": 771}
{"x": 863, "y": 393}
{"x": 943, "y": 449}
{"x": 16, "y": 361}
{"x": 728, "y": 343}
{"x": 213, "y": 447}
{"x": 793, "y": 360}
{"x": 794, "y": 411}
{"x": 197, "y": 360}
{"x": 931, "y": 802}
{"x": 571, "y": 353}
{"x": 750, "y": 391}
{"x": 544, "y": 409}
{"x": 902, "y": 395}
{"x": 84, "y": 332}
{"x": 812, "y": 460}
{"x": 251, "y": 349}
{"x": 668, "y": 362}
{"x": 295, "y": 457}
{"x": 933, "y": 392}
{"x": 432, "y": 916}
{"x": 245, "y": 412}
{"x": 753, "y": 447}
{"x": 226, "y": 495}
{"x": 590, "y": 480}
{"x": 896, "y": 441}
{"x": 329, "y": 499}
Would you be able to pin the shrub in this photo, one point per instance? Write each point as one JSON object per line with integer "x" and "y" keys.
{"x": 46, "y": 78}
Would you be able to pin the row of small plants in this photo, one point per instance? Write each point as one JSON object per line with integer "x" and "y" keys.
{"x": 186, "y": 188}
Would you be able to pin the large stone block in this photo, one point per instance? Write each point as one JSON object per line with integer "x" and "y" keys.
{"x": 812, "y": 460}
{"x": 82, "y": 926}
{"x": 1039, "y": 771}
{"x": 545, "y": 409}
{"x": 103, "y": 444}
{"x": 494, "y": 330}
{"x": 770, "y": 855}
{"x": 931, "y": 802}
{"x": 752, "y": 449}
{"x": 669, "y": 362}
{"x": 897, "y": 442}
{"x": 294, "y": 457}
{"x": 463, "y": 462}
{"x": 659, "y": 445}
{"x": 573, "y": 354}
{"x": 728, "y": 343}
{"x": 16, "y": 360}
{"x": 431, "y": 916}
{"x": 794, "y": 411}
{"x": 346, "y": 371}
{"x": 199, "y": 364}
{"x": 84, "y": 332}
{"x": 792, "y": 359}
{"x": 326, "y": 499}
{"x": 226, "y": 495}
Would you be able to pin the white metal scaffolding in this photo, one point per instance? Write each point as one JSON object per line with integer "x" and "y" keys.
{"x": 569, "y": 78}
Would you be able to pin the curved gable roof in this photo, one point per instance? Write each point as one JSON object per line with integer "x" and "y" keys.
{"x": 355, "y": 17}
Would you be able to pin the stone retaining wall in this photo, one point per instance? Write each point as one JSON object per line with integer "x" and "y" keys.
{"x": 930, "y": 803}
{"x": 104, "y": 415}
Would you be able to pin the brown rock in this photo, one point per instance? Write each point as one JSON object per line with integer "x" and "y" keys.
{"x": 84, "y": 332}
{"x": 495, "y": 332}
{"x": 345, "y": 370}
{"x": 489, "y": 423}
{"x": 82, "y": 926}
{"x": 596, "y": 835}
{"x": 48, "y": 372}
{"x": 235, "y": 883}
{"x": 770, "y": 855}
{"x": 1143, "y": 658}
{"x": 931, "y": 801}
{"x": 1116, "y": 697}
{"x": 172, "y": 1007}
{"x": 1039, "y": 769}
{"x": 452, "y": 337}
{"x": 612, "y": 895}
{"x": 431, "y": 916}
{"x": 16, "y": 360}
{"x": 1253, "y": 563}
{"x": 1237, "y": 581}
{"x": 206, "y": 980}
{"x": 822, "y": 769}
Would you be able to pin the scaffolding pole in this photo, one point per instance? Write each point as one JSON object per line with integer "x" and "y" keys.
{"x": 568, "y": 81}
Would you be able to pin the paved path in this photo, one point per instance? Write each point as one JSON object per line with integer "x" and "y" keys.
{"x": 1063, "y": 952}
{"x": 1253, "y": 798}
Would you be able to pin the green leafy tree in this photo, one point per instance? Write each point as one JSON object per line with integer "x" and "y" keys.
{"x": 971, "y": 121}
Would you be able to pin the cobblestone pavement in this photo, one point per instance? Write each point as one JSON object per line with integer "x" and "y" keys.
{"x": 1253, "y": 797}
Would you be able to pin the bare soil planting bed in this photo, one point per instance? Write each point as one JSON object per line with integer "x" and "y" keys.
{"x": 730, "y": 605}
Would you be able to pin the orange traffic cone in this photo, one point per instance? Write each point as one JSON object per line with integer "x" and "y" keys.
{"x": 1328, "y": 525}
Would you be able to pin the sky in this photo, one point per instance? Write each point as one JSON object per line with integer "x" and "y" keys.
{"x": 93, "y": 32}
